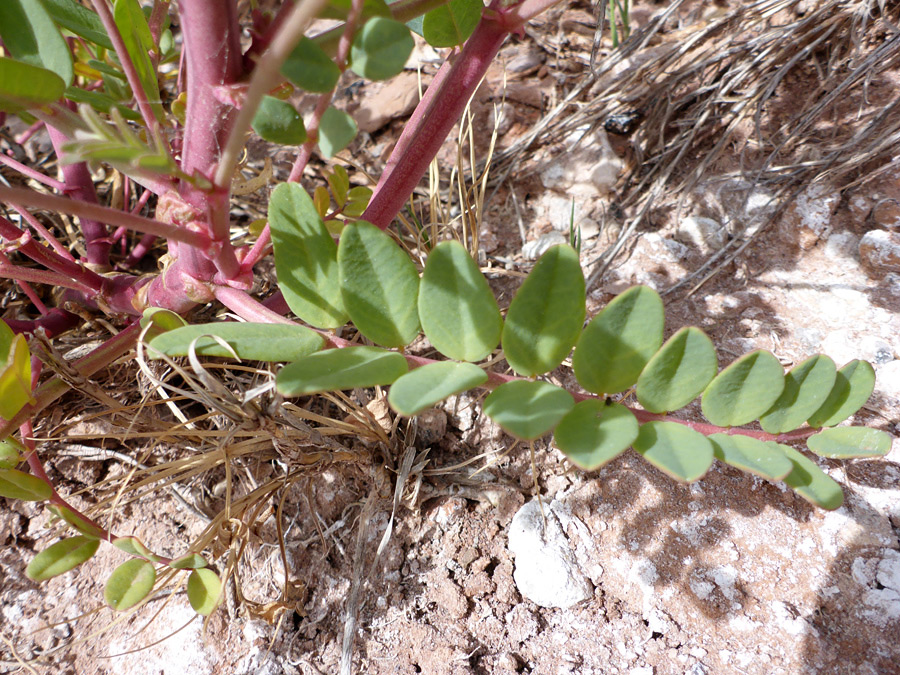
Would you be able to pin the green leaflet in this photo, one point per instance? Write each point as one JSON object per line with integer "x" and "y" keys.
{"x": 139, "y": 43}
{"x": 451, "y": 24}
{"x": 79, "y": 20}
{"x": 30, "y": 35}
{"x": 380, "y": 49}
{"x": 204, "y": 590}
{"x": 810, "y": 482}
{"x": 189, "y": 561}
{"x": 379, "y": 285}
{"x": 594, "y": 432}
{"x": 335, "y": 369}
{"x": 423, "y": 387}
{"x": 24, "y": 86}
{"x": 76, "y": 521}
{"x": 279, "y": 122}
{"x": 129, "y": 583}
{"x": 675, "y": 449}
{"x": 545, "y": 317}
{"x": 618, "y": 342}
{"x": 15, "y": 377}
{"x": 527, "y": 409}
{"x": 305, "y": 258}
{"x": 678, "y": 372}
{"x": 456, "y": 306}
{"x": 9, "y": 455}
{"x": 100, "y": 102}
{"x": 336, "y": 130}
{"x": 853, "y": 385}
{"x": 16, "y": 484}
{"x": 849, "y": 442}
{"x": 61, "y": 557}
{"x": 252, "y": 341}
{"x": 339, "y": 9}
{"x": 763, "y": 458}
{"x": 744, "y": 390}
{"x": 806, "y": 387}
{"x": 310, "y": 68}
{"x": 134, "y": 546}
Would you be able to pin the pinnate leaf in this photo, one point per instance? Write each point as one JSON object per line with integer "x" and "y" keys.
{"x": 204, "y": 590}
{"x": 451, "y": 24}
{"x": 253, "y": 341}
{"x": 129, "y": 583}
{"x": 678, "y": 372}
{"x": 849, "y": 442}
{"x": 806, "y": 387}
{"x": 763, "y": 458}
{"x": 310, "y": 68}
{"x": 16, "y": 484}
{"x": 810, "y": 482}
{"x": 545, "y": 317}
{"x": 744, "y": 390}
{"x": 675, "y": 449}
{"x": 30, "y": 35}
{"x": 853, "y": 385}
{"x": 279, "y": 122}
{"x": 336, "y": 130}
{"x": 335, "y": 369}
{"x": 61, "y": 557}
{"x": 456, "y": 306}
{"x": 618, "y": 342}
{"x": 423, "y": 387}
{"x": 595, "y": 432}
{"x": 528, "y": 409}
{"x": 380, "y": 49}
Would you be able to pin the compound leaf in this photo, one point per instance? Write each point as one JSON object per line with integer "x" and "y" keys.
{"x": 456, "y": 306}
{"x": 380, "y": 49}
{"x": 618, "y": 342}
{"x": 336, "y": 130}
{"x": 423, "y": 387}
{"x": 279, "y": 122}
{"x": 744, "y": 390}
{"x": 129, "y": 583}
{"x": 61, "y": 557}
{"x": 30, "y": 35}
{"x": 310, "y": 68}
{"x": 810, "y": 482}
{"x": 545, "y": 317}
{"x": 253, "y": 341}
{"x": 806, "y": 387}
{"x": 849, "y": 442}
{"x": 527, "y": 409}
{"x": 595, "y": 432}
{"x": 335, "y": 369}
{"x": 453, "y": 23}
{"x": 204, "y": 590}
{"x": 763, "y": 458}
{"x": 675, "y": 449}
{"x": 853, "y": 385}
{"x": 678, "y": 372}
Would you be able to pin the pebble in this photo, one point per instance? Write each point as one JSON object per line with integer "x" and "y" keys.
{"x": 705, "y": 234}
{"x": 536, "y": 248}
{"x": 879, "y": 252}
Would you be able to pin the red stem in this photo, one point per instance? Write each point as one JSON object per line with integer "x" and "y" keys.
{"x": 32, "y": 173}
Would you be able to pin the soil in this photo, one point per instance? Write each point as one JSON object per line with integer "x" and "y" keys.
{"x": 731, "y": 574}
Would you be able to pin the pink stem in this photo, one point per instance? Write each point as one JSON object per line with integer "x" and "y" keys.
{"x": 26, "y": 135}
{"x": 260, "y": 249}
{"x": 312, "y": 131}
{"x": 28, "y": 274}
{"x": 43, "y": 231}
{"x": 32, "y": 173}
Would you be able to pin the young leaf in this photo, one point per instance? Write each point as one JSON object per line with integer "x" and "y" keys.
{"x": 339, "y": 182}
{"x": 79, "y": 20}
{"x": 7, "y": 337}
{"x": 15, "y": 379}
{"x": 204, "y": 590}
{"x": 451, "y": 24}
{"x": 380, "y": 49}
{"x": 139, "y": 43}
{"x": 9, "y": 455}
{"x": 763, "y": 458}
{"x": 134, "y": 546}
{"x": 310, "y": 68}
{"x": 279, "y": 122}
{"x": 336, "y": 130}
{"x": 24, "y": 86}
{"x": 527, "y": 409}
{"x": 100, "y": 102}
{"x": 16, "y": 484}
{"x": 853, "y": 385}
{"x": 806, "y": 387}
{"x": 456, "y": 306}
{"x": 810, "y": 482}
{"x": 593, "y": 433}
{"x": 253, "y": 341}
{"x": 618, "y": 342}
{"x": 379, "y": 285}
{"x": 678, "y": 372}
{"x": 30, "y": 35}
{"x": 190, "y": 561}
{"x": 61, "y": 557}
{"x": 76, "y": 521}
{"x": 545, "y": 317}
{"x": 160, "y": 320}
{"x": 129, "y": 583}
{"x": 357, "y": 200}
{"x": 424, "y": 387}
{"x": 675, "y": 449}
{"x": 335, "y": 369}
{"x": 305, "y": 258}
{"x": 849, "y": 442}
{"x": 744, "y": 390}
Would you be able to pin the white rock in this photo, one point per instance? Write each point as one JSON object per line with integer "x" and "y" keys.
{"x": 705, "y": 234}
{"x": 841, "y": 245}
{"x": 546, "y": 571}
{"x": 536, "y": 248}
{"x": 590, "y": 167}
{"x": 887, "y": 380}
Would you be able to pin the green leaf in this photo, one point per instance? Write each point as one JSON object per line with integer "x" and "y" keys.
{"x": 678, "y": 372}
{"x": 545, "y": 317}
{"x": 15, "y": 375}
{"x": 849, "y": 442}
{"x": 340, "y": 9}
{"x": 279, "y": 122}
{"x": 379, "y": 284}
{"x": 810, "y": 482}
{"x": 339, "y": 182}
{"x": 853, "y": 385}
{"x": 253, "y": 341}
{"x": 30, "y": 35}
{"x": 76, "y": 521}
{"x": 335, "y": 369}
{"x": 744, "y": 390}
{"x": 190, "y": 561}
{"x": 675, "y": 449}
{"x": 7, "y": 337}
{"x": 129, "y": 583}
{"x": 100, "y": 102}
{"x": 357, "y": 200}
{"x": 160, "y": 320}
{"x": 452, "y": 24}
{"x": 527, "y": 409}
{"x": 79, "y": 20}
{"x": 134, "y": 546}
{"x": 806, "y": 387}
{"x": 380, "y": 49}
{"x": 595, "y": 432}
{"x": 24, "y": 86}
{"x": 9, "y": 455}
{"x": 16, "y": 484}
{"x": 61, "y": 557}
{"x": 310, "y": 68}
{"x": 138, "y": 39}
{"x": 423, "y": 387}
{"x": 618, "y": 342}
{"x": 336, "y": 130}
{"x": 204, "y": 590}
{"x": 763, "y": 458}
{"x": 305, "y": 258}
{"x": 456, "y": 306}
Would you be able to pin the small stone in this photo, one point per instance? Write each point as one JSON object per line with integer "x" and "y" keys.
{"x": 705, "y": 234}
{"x": 879, "y": 252}
{"x": 887, "y": 380}
{"x": 886, "y": 214}
{"x": 536, "y": 248}
{"x": 841, "y": 245}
